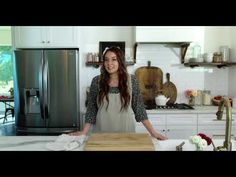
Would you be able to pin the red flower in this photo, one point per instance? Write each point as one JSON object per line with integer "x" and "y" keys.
{"x": 208, "y": 139}
{"x": 202, "y": 135}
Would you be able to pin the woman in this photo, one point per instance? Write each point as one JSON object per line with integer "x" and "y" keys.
{"x": 114, "y": 98}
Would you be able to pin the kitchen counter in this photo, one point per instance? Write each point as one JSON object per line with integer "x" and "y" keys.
{"x": 25, "y": 143}
{"x": 38, "y": 143}
{"x": 196, "y": 110}
{"x": 170, "y": 145}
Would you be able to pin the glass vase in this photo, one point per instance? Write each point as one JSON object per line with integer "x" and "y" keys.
{"x": 198, "y": 148}
{"x": 191, "y": 101}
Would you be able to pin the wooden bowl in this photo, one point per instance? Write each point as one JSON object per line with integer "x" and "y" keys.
{"x": 217, "y": 102}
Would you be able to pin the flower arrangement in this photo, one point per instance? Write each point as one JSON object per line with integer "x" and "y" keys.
{"x": 201, "y": 141}
{"x": 191, "y": 93}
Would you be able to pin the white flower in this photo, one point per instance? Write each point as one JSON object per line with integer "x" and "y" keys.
{"x": 199, "y": 142}
{"x": 195, "y": 139}
{"x": 202, "y": 144}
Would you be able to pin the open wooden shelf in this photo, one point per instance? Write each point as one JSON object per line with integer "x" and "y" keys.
{"x": 183, "y": 45}
{"x": 97, "y": 64}
{"x": 218, "y": 65}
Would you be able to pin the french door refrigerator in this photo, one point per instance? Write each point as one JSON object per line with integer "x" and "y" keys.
{"x": 46, "y": 90}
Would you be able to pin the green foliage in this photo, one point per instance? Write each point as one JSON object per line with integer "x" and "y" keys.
{"x": 6, "y": 64}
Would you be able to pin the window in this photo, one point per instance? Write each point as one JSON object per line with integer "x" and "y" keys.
{"x": 6, "y": 70}
{"x": 6, "y": 60}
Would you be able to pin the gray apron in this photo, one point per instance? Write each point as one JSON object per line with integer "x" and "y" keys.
{"x": 112, "y": 119}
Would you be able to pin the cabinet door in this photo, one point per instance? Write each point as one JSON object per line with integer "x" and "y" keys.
{"x": 29, "y": 37}
{"x": 61, "y": 36}
{"x": 141, "y": 129}
{"x": 181, "y": 132}
{"x": 212, "y": 131}
{"x": 209, "y": 125}
{"x": 181, "y": 126}
{"x": 44, "y": 37}
{"x": 158, "y": 121}
{"x": 181, "y": 119}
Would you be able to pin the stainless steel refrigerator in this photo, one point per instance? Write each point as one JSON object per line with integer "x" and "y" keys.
{"x": 46, "y": 90}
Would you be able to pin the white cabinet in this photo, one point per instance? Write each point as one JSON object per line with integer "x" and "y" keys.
{"x": 209, "y": 125}
{"x": 169, "y": 33}
{"x": 158, "y": 122}
{"x": 174, "y": 126}
{"x": 45, "y": 37}
{"x": 181, "y": 125}
{"x": 28, "y": 36}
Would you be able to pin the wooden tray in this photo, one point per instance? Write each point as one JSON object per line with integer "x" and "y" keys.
{"x": 170, "y": 90}
{"x": 150, "y": 80}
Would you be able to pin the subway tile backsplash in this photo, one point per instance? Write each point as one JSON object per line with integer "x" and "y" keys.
{"x": 168, "y": 59}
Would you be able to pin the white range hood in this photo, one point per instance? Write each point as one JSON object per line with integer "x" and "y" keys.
{"x": 169, "y": 34}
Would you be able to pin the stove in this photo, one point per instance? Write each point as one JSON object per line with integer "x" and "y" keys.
{"x": 169, "y": 106}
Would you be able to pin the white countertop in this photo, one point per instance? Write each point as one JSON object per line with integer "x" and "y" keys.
{"x": 196, "y": 110}
{"x": 38, "y": 143}
{"x": 170, "y": 145}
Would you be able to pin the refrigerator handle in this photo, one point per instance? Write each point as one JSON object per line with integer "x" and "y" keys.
{"x": 47, "y": 90}
{"x": 41, "y": 98}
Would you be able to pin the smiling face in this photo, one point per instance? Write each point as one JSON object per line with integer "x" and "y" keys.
{"x": 111, "y": 63}
{"x": 114, "y": 73}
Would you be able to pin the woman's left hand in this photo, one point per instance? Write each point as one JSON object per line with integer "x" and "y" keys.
{"x": 159, "y": 136}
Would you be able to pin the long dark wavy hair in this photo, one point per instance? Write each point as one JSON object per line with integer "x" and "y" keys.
{"x": 123, "y": 80}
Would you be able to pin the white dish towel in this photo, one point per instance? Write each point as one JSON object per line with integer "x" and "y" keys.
{"x": 66, "y": 142}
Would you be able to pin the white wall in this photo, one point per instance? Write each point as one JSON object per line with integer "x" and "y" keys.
{"x": 216, "y": 80}
{"x": 232, "y": 70}
{"x": 216, "y": 36}
{"x": 165, "y": 57}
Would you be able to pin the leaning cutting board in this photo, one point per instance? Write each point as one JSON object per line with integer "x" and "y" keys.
{"x": 170, "y": 90}
{"x": 150, "y": 82}
{"x": 119, "y": 142}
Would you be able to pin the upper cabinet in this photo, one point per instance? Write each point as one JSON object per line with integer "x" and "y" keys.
{"x": 169, "y": 34}
{"x": 45, "y": 37}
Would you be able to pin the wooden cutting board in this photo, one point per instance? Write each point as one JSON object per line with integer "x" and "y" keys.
{"x": 119, "y": 142}
{"x": 150, "y": 80}
{"x": 170, "y": 90}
